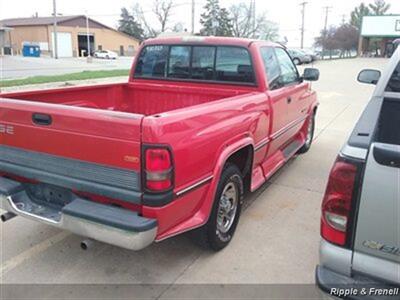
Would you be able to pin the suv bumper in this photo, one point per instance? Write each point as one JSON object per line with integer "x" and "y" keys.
{"x": 327, "y": 280}
{"x": 105, "y": 223}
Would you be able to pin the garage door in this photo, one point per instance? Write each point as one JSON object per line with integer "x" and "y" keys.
{"x": 64, "y": 42}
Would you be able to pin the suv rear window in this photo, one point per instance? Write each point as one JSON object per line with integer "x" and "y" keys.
{"x": 394, "y": 82}
{"x": 206, "y": 63}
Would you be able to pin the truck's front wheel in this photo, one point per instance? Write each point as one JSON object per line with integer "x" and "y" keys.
{"x": 221, "y": 226}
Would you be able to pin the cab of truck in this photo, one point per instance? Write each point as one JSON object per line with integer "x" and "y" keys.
{"x": 360, "y": 221}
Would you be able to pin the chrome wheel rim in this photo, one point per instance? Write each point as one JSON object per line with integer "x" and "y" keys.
{"x": 309, "y": 132}
{"x": 227, "y": 207}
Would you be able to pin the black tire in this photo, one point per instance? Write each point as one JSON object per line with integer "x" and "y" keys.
{"x": 210, "y": 236}
{"x": 310, "y": 135}
{"x": 296, "y": 61}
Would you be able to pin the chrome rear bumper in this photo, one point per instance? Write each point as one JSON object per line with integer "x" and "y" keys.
{"x": 108, "y": 224}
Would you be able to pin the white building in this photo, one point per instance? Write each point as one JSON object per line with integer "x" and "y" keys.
{"x": 381, "y": 30}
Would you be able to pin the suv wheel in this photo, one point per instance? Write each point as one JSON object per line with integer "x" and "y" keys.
{"x": 220, "y": 228}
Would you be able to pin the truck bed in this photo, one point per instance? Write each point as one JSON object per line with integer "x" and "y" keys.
{"x": 144, "y": 98}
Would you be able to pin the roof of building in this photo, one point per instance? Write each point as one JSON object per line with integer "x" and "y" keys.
{"x": 35, "y": 21}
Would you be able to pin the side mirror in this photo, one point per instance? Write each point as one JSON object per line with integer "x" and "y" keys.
{"x": 369, "y": 76}
{"x": 311, "y": 74}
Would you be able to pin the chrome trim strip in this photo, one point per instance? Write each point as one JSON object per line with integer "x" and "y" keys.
{"x": 354, "y": 152}
{"x": 262, "y": 144}
{"x": 288, "y": 127}
{"x": 193, "y": 186}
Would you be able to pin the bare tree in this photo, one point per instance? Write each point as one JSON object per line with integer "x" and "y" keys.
{"x": 243, "y": 26}
{"x": 162, "y": 11}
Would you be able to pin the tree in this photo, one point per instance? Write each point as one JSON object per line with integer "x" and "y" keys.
{"x": 346, "y": 38}
{"x": 379, "y": 7}
{"x": 327, "y": 40}
{"x": 162, "y": 12}
{"x": 243, "y": 26}
{"x": 129, "y": 25}
{"x": 215, "y": 20}
{"x": 357, "y": 15}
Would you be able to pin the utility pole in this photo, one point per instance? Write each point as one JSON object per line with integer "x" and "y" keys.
{"x": 327, "y": 10}
{"x": 343, "y": 19}
{"x": 193, "y": 13}
{"x": 303, "y": 12}
{"x": 88, "y": 36}
{"x": 55, "y": 44}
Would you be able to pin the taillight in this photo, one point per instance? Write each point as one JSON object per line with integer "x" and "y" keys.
{"x": 337, "y": 203}
{"x": 158, "y": 169}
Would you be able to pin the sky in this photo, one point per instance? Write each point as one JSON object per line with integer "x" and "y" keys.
{"x": 286, "y": 13}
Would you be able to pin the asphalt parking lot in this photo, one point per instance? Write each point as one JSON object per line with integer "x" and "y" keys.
{"x": 13, "y": 67}
{"x": 278, "y": 234}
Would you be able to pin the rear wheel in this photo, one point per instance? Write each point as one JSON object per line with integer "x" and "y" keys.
{"x": 310, "y": 134}
{"x": 220, "y": 228}
{"x": 296, "y": 61}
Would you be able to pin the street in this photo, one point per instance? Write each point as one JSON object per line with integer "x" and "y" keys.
{"x": 13, "y": 67}
{"x": 277, "y": 237}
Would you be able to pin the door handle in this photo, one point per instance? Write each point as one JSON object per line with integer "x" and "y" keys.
{"x": 387, "y": 155}
{"x": 289, "y": 100}
{"x": 41, "y": 119}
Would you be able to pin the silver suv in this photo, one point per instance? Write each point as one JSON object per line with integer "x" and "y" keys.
{"x": 360, "y": 223}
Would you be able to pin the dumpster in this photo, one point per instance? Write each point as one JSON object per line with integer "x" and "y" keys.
{"x": 31, "y": 50}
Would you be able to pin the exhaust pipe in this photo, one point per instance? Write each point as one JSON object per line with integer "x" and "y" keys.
{"x": 7, "y": 216}
{"x": 86, "y": 244}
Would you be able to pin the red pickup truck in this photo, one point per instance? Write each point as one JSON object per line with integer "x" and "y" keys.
{"x": 201, "y": 122}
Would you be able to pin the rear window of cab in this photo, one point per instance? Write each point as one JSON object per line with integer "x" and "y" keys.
{"x": 228, "y": 64}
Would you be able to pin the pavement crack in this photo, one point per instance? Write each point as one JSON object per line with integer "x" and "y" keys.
{"x": 179, "y": 276}
{"x": 331, "y": 122}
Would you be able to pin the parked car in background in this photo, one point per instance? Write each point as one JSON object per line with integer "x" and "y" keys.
{"x": 201, "y": 122}
{"x": 106, "y": 54}
{"x": 360, "y": 219}
{"x": 315, "y": 55}
{"x": 299, "y": 57}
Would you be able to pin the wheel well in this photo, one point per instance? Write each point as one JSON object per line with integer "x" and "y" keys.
{"x": 243, "y": 159}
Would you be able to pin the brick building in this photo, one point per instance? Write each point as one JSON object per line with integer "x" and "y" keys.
{"x": 71, "y": 36}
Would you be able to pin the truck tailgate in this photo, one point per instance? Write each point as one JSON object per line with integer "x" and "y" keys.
{"x": 89, "y": 150}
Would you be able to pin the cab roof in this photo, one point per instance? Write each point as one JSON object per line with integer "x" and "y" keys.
{"x": 207, "y": 40}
